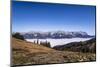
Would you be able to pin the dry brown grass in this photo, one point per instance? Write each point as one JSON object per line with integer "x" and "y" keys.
{"x": 28, "y": 46}
{"x": 28, "y": 53}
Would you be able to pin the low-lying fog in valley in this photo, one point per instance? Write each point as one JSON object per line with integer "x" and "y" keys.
{"x": 54, "y": 42}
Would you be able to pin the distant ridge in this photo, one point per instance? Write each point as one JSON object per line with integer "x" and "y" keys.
{"x": 55, "y": 34}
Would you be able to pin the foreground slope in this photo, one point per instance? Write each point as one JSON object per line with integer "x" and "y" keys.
{"x": 29, "y": 53}
{"x": 24, "y": 53}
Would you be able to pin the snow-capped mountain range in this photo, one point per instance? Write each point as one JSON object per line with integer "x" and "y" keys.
{"x": 55, "y": 34}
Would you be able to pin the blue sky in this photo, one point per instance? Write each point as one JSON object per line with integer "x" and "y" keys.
{"x": 32, "y": 16}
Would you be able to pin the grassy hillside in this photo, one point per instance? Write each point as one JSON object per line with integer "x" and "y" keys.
{"x": 28, "y": 53}
{"x": 24, "y": 53}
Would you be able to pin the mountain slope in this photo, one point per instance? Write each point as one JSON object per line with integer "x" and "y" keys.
{"x": 84, "y": 46}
